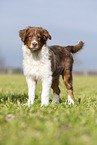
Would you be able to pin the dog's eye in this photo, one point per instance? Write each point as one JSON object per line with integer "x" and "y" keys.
{"x": 29, "y": 37}
{"x": 39, "y": 36}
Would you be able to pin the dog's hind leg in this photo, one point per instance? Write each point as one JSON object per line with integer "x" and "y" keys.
{"x": 67, "y": 77}
{"x": 56, "y": 90}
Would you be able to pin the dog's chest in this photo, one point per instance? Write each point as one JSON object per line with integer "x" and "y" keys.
{"x": 37, "y": 65}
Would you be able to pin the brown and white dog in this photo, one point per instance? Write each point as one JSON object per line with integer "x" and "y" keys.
{"x": 44, "y": 63}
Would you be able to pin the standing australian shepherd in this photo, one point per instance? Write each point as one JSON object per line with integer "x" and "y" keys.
{"x": 44, "y": 63}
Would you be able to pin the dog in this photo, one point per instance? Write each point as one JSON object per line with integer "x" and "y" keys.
{"x": 44, "y": 63}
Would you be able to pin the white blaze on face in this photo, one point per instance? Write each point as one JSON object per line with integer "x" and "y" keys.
{"x": 34, "y": 42}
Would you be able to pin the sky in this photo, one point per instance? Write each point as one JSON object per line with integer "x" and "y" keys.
{"x": 67, "y": 21}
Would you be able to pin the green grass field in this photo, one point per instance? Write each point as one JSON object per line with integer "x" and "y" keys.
{"x": 59, "y": 124}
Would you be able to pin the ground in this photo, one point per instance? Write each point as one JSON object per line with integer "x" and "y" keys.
{"x": 57, "y": 124}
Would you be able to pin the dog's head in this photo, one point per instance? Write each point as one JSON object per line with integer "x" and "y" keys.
{"x": 34, "y": 37}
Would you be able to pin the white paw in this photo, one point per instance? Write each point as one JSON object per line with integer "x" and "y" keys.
{"x": 70, "y": 101}
{"x": 44, "y": 100}
{"x": 44, "y": 104}
{"x": 55, "y": 98}
{"x": 29, "y": 103}
{"x": 26, "y": 104}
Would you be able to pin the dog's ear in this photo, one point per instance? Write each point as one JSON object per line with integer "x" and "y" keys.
{"x": 22, "y": 33}
{"x": 46, "y": 35}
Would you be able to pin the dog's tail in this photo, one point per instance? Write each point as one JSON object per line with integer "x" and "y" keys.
{"x": 76, "y": 48}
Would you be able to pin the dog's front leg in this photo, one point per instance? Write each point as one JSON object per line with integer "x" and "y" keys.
{"x": 46, "y": 86}
{"x": 31, "y": 89}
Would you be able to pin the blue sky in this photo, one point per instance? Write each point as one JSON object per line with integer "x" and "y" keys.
{"x": 68, "y": 21}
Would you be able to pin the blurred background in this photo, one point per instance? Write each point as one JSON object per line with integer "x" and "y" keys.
{"x": 67, "y": 21}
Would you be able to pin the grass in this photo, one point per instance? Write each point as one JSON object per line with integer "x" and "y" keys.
{"x": 59, "y": 124}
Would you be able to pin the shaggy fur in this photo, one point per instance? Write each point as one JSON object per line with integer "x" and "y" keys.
{"x": 46, "y": 64}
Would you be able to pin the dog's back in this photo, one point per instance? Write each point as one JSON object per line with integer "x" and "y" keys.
{"x": 61, "y": 57}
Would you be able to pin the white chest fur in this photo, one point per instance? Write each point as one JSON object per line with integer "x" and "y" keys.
{"x": 36, "y": 65}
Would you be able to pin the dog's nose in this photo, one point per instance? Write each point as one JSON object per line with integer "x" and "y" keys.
{"x": 34, "y": 44}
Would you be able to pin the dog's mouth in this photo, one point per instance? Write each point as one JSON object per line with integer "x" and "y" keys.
{"x": 33, "y": 49}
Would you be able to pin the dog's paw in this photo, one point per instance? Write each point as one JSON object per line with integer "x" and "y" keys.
{"x": 55, "y": 99}
{"x": 29, "y": 103}
{"x": 70, "y": 101}
{"x": 26, "y": 104}
{"x": 44, "y": 104}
